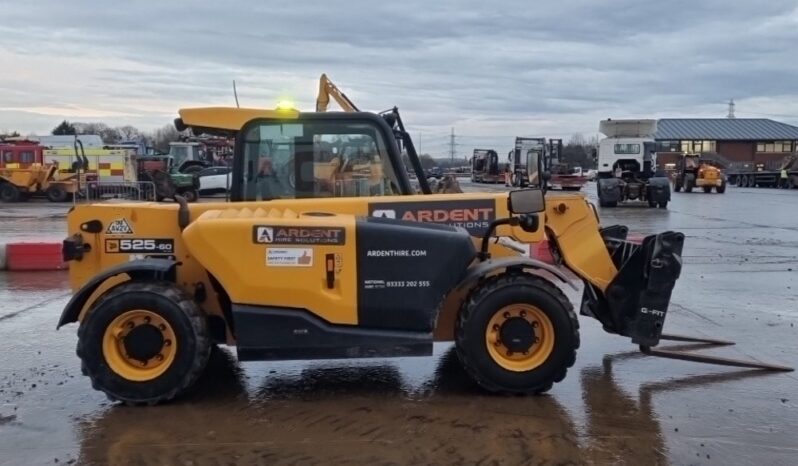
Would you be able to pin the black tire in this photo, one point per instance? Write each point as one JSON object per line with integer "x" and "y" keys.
{"x": 652, "y": 204}
{"x": 677, "y": 186}
{"x": 56, "y": 193}
{"x": 688, "y": 185}
{"x": 721, "y": 189}
{"x": 707, "y": 189}
{"x": 663, "y": 205}
{"x": 9, "y": 192}
{"x": 482, "y": 304}
{"x": 192, "y": 343}
{"x": 190, "y": 195}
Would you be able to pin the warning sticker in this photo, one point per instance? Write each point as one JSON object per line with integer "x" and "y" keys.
{"x": 289, "y": 257}
{"x": 119, "y": 226}
{"x": 263, "y": 234}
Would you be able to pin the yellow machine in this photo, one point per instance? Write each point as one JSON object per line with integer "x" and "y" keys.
{"x": 287, "y": 271}
{"x": 39, "y": 180}
{"x": 694, "y": 172}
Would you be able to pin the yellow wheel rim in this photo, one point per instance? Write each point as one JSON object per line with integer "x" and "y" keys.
{"x": 536, "y": 345}
{"x": 139, "y": 345}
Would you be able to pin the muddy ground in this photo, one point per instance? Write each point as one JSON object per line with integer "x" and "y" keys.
{"x": 615, "y": 407}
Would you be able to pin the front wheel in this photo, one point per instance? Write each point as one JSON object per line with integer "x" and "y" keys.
{"x": 707, "y": 189}
{"x": 56, "y": 193}
{"x": 663, "y": 205}
{"x": 143, "y": 343}
{"x": 721, "y": 189}
{"x": 9, "y": 192}
{"x": 517, "y": 333}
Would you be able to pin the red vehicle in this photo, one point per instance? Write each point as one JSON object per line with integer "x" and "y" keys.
{"x": 20, "y": 153}
{"x": 563, "y": 176}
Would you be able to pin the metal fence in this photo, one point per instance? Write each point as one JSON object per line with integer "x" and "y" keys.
{"x": 128, "y": 190}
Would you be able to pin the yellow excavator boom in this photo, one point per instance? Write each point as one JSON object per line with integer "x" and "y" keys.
{"x": 328, "y": 89}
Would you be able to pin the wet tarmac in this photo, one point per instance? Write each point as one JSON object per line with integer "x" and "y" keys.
{"x": 614, "y": 407}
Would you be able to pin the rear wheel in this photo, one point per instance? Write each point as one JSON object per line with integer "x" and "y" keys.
{"x": 652, "y": 203}
{"x": 8, "y": 192}
{"x": 517, "y": 333}
{"x": 56, "y": 193}
{"x": 688, "y": 185}
{"x": 663, "y": 205}
{"x": 707, "y": 189}
{"x": 143, "y": 343}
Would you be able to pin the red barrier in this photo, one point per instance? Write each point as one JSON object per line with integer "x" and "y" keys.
{"x": 541, "y": 251}
{"x": 34, "y": 256}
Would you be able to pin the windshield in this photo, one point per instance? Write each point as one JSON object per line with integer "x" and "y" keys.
{"x": 284, "y": 160}
{"x": 533, "y": 160}
{"x": 179, "y": 154}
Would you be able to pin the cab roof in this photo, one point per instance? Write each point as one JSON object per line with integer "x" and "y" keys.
{"x": 227, "y": 118}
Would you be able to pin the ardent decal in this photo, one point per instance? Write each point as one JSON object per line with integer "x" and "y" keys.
{"x": 473, "y": 215}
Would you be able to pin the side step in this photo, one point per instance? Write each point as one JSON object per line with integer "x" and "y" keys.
{"x": 687, "y": 356}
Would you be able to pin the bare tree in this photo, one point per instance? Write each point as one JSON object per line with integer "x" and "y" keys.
{"x": 161, "y": 137}
{"x": 127, "y": 132}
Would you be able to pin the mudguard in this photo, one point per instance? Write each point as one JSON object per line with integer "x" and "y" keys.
{"x": 151, "y": 268}
{"x": 659, "y": 189}
{"x": 610, "y": 189}
{"x": 492, "y": 265}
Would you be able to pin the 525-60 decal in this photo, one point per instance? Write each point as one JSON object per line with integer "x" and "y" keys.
{"x": 140, "y": 246}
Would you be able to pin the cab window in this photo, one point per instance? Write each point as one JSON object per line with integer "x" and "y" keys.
{"x": 26, "y": 156}
{"x": 284, "y": 160}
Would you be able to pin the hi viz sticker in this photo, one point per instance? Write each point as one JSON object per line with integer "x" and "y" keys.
{"x": 289, "y": 257}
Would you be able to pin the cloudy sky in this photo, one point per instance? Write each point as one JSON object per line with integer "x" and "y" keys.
{"x": 491, "y": 70}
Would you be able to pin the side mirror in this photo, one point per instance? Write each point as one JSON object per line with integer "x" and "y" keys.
{"x": 526, "y": 201}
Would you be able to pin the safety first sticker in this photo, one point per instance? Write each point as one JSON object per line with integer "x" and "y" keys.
{"x": 289, "y": 257}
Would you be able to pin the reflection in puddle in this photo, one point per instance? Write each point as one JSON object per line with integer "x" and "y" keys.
{"x": 365, "y": 414}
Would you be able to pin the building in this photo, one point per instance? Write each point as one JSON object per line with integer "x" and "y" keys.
{"x": 738, "y": 141}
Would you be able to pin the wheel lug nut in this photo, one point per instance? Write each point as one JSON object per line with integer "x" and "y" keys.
{"x": 509, "y": 353}
{"x": 498, "y": 343}
{"x": 130, "y": 325}
{"x": 535, "y": 324}
{"x": 143, "y": 363}
{"x": 496, "y": 327}
{"x": 167, "y": 342}
{"x": 159, "y": 357}
{"x": 147, "y": 320}
{"x": 523, "y": 313}
{"x": 537, "y": 340}
{"x": 162, "y": 327}
{"x": 506, "y": 315}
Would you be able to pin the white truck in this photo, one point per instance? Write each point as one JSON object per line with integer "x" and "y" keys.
{"x": 627, "y": 166}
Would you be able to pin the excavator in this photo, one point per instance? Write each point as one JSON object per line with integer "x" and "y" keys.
{"x": 280, "y": 273}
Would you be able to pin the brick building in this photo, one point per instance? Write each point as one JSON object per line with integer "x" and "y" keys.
{"x": 740, "y": 141}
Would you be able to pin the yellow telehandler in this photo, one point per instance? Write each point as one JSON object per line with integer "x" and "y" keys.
{"x": 291, "y": 269}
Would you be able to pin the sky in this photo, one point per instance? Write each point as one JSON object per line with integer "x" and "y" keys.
{"x": 490, "y": 70}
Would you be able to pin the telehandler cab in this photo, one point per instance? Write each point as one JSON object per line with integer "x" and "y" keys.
{"x": 312, "y": 262}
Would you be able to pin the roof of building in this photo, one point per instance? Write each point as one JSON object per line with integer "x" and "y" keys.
{"x": 725, "y": 129}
